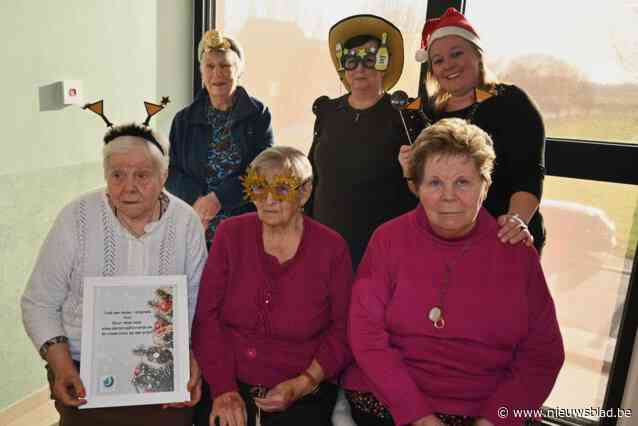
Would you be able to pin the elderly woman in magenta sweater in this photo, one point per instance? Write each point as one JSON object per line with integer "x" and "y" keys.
{"x": 447, "y": 324}
{"x": 270, "y": 325}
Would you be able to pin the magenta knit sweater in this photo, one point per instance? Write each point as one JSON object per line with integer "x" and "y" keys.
{"x": 262, "y": 322}
{"x": 501, "y": 345}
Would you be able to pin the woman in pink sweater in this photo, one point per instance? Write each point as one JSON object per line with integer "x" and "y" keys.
{"x": 448, "y": 324}
{"x": 270, "y": 324}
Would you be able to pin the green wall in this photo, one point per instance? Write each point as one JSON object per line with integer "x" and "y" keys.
{"x": 125, "y": 52}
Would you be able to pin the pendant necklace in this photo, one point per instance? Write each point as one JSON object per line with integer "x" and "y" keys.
{"x": 435, "y": 314}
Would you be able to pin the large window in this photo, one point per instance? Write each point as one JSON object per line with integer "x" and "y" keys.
{"x": 588, "y": 263}
{"x": 288, "y": 64}
{"x": 578, "y": 61}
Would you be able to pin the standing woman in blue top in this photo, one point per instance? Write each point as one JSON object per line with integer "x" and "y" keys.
{"x": 212, "y": 142}
{"x": 215, "y": 138}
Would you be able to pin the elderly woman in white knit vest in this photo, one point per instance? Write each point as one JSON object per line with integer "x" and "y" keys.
{"x": 131, "y": 227}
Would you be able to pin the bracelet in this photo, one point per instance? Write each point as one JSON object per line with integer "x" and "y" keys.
{"x": 313, "y": 381}
{"x": 52, "y": 341}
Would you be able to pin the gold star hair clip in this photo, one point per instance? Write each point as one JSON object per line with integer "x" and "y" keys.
{"x": 214, "y": 40}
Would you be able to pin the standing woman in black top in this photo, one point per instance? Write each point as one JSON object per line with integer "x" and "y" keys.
{"x": 458, "y": 86}
{"x": 358, "y": 181}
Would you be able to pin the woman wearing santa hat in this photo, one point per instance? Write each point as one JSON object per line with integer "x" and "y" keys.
{"x": 459, "y": 85}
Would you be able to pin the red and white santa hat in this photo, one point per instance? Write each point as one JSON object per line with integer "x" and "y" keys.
{"x": 452, "y": 22}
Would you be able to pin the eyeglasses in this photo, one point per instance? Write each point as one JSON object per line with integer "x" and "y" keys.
{"x": 279, "y": 192}
{"x": 352, "y": 58}
{"x": 282, "y": 188}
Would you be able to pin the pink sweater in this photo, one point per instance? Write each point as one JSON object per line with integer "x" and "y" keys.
{"x": 501, "y": 345}
{"x": 262, "y": 322}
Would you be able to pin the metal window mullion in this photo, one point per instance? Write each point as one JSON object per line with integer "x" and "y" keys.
{"x": 203, "y": 20}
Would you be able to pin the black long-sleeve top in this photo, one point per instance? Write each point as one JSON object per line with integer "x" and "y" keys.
{"x": 358, "y": 182}
{"x": 518, "y": 133}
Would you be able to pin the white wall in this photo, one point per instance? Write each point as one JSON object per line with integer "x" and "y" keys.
{"x": 125, "y": 52}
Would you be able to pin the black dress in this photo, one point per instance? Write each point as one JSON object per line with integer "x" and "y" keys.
{"x": 358, "y": 182}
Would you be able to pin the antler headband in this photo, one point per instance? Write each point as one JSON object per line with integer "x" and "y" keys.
{"x": 151, "y": 110}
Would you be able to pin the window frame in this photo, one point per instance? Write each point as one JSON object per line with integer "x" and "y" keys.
{"x": 204, "y": 14}
{"x": 597, "y": 161}
{"x": 603, "y": 161}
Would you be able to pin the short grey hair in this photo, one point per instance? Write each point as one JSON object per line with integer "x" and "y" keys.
{"x": 284, "y": 158}
{"x": 452, "y": 137}
{"x": 121, "y": 141}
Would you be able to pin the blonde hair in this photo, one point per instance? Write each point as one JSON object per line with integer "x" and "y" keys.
{"x": 285, "y": 158}
{"x": 437, "y": 98}
{"x": 453, "y": 137}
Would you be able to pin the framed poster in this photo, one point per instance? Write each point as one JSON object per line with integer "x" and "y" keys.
{"x": 135, "y": 340}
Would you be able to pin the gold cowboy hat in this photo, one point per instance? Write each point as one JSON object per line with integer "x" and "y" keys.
{"x": 356, "y": 25}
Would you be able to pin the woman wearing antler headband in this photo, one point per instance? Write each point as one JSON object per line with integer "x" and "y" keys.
{"x": 132, "y": 227}
{"x": 215, "y": 138}
{"x": 270, "y": 327}
{"x": 460, "y": 86}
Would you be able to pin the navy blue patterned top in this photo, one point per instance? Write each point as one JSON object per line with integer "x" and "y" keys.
{"x": 224, "y": 158}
